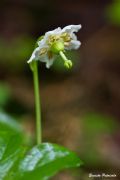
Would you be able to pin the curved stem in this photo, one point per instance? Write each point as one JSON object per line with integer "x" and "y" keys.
{"x": 37, "y": 102}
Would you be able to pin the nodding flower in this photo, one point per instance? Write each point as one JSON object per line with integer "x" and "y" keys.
{"x": 55, "y": 43}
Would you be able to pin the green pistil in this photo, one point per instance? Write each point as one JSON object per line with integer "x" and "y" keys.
{"x": 67, "y": 63}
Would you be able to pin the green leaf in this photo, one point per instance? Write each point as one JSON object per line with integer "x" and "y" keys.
{"x": 40, "y": 163}
{"x": 9, "y": 124}
{"x": 10, "y": 151}
{"x": 46, "y": 160}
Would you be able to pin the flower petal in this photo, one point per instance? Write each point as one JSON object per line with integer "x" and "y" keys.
{"x": 74, "y": 44}
{"x": 49, "y": 63}
{"x": 34, "y": 55}
{"x": 54, "y": 32}
{"x": 71, "y": 28}
{"x": 47, "y": 35}
{"x": 45, "y": 58}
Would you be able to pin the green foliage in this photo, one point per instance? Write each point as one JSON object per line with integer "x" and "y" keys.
{"x": 18, "y": 162}
{"x": 113, "y": 12}
{"x": 40, "y": 163}
{"x": 9, "y": 153}
{"x": 46, "y": 160}
{"x": 8, "y": 124}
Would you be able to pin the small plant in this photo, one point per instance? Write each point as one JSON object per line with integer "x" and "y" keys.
{"x": 44, "y": 159}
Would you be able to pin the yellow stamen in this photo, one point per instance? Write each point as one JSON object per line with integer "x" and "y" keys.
{"x": 53, "y": 38}
{"x": 66, "y": 37}
{"x": 43, "y": 51}
{"x": 66, "y": 44}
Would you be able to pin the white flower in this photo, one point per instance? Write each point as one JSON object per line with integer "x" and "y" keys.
{"x": 54, "y": 43}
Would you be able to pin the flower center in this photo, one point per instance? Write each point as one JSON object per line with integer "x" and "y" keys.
{"x": 66, "y": 37}
{"x": 53, "y": 38}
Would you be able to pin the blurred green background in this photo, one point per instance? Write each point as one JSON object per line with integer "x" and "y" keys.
{"x": 80, "y": 107}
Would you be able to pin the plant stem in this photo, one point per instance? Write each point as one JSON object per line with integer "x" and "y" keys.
{"x": 37, "y": 103}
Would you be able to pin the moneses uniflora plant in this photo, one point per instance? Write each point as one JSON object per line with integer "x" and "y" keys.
{"x": 18, "y": 160}
{"x": 48, "y": 47}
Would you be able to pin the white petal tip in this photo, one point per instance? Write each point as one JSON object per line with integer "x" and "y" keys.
{"x": 80, "y": 26}
{"x": 29, "y": 61}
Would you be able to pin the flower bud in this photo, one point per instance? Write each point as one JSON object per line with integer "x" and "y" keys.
{"x": 57, "y": 47}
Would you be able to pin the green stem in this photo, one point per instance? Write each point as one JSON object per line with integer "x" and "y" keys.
{"x": 37, "y": 102}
